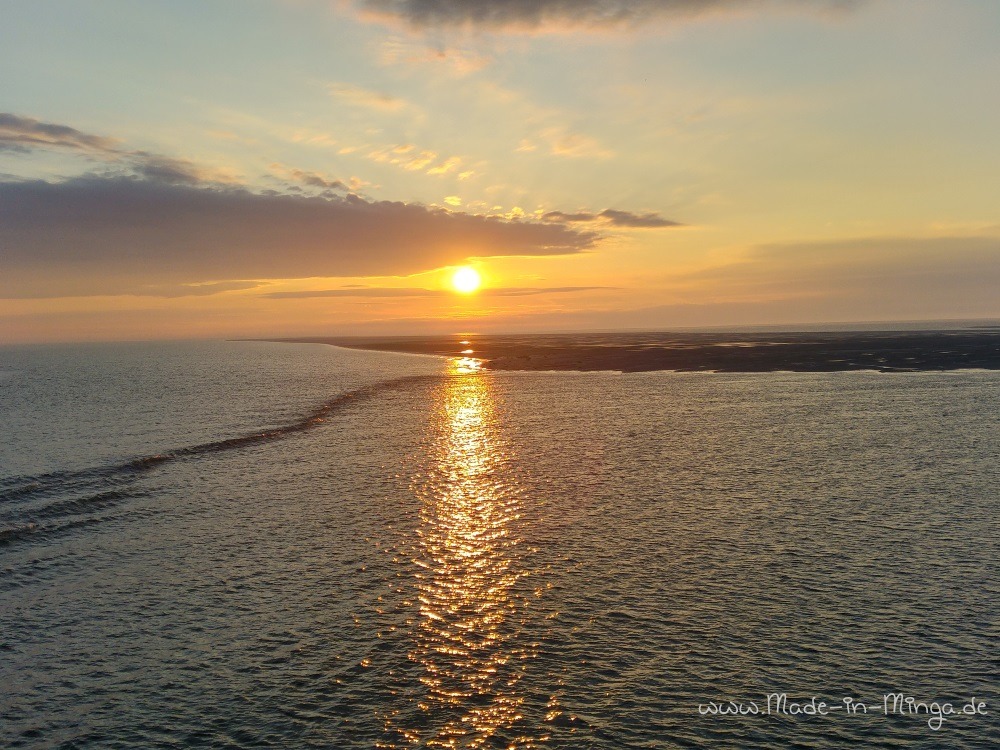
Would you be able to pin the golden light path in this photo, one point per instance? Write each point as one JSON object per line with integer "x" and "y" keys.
{"x": 465, "y": 639}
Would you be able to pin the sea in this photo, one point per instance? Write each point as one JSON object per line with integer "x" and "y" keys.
{"x": 269, "y": 545}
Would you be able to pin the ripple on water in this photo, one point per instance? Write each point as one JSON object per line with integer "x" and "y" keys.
{"x": 503, "y": 560}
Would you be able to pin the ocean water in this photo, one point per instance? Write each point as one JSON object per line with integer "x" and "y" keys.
{"x": 235, "y": 545}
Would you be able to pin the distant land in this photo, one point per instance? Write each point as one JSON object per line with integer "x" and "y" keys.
{"x": 826, "y": 351}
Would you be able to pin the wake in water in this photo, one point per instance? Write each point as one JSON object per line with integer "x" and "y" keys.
{"x": 58, "y": 501}
{"x": 498, "y": 560}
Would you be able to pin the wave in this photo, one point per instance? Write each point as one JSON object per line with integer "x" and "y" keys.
{"x": 41, "y": 504}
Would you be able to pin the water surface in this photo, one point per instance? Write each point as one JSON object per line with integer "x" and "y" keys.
{"x": 384, "y": 551}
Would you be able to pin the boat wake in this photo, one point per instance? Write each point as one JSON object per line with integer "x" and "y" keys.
{"x": 55, "y": 502}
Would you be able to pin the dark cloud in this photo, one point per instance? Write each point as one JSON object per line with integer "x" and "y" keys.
{"x": 535, "y": 14}
{"x": 613, "y": 217}
{"x": 356, "y": 291}
{"x": 166, "y": 169}
{"x": 25, "y": 134}
{"x": 116, "y": 235}
{"x": 628, "y": 219}
{"x": 315, "y": 179}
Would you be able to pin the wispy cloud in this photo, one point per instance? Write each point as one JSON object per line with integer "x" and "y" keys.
{"x": 562, "y": 141}
{"x": 446, "y": 167}
{"x": 407, "y": 156}
{"x": 194, "y": 290}
{"x": 25, "y": 134}
{"x": 613, "y": 217}
{"x": 166, "y": 169}
{"x": 310, "y": 179}
{"x": 312, "y": 138}
{"x": 452, "y": 60}
{"x": 394, "y": 292}
{"x": 362, "y": 97}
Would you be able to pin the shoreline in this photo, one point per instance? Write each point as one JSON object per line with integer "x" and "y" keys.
{"x": 878, "y": 351}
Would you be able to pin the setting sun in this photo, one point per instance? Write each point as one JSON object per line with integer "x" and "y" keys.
{"x": 466, "y": 280}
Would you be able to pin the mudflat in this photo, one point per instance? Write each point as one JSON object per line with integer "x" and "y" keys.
{"x": 885, "y": 351}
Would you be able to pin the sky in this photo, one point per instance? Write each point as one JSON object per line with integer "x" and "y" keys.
{"x": 269, "y": 168}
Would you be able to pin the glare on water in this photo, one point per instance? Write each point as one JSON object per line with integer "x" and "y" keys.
{"x": 465, "y": 636}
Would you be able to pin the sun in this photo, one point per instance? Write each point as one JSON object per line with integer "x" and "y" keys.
{"x": 466, "y": 280}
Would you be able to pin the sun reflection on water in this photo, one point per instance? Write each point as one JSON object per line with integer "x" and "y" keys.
{"x": 466, "y": 635}
{"x": 465, "y": 365}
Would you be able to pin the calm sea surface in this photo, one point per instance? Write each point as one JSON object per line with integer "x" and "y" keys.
{"x": 236, "y": 545}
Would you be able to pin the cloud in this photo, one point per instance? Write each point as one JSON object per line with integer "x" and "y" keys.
{"x": 559, "y": 140}
{"x": 362, "y": 97}
{"x": 194, "y": 290}
{"x": 555, "y": 15}
{"x": 629, "y": 219}
{"x": 311, "y": 137}
{"x": 408, "y": 157}
{"x": 166, "y": 169}
{"x": 313, "y": 179}
{"x": 447, "y": 166}
{"x": 359, "y": 291}
{"x": 532, "y": 291}
{"x": 613, "y": 217}
{"x": 457, "y": 62}
{"x": 562, "y": 142}
{"x": 24, "y": 134}
{"x": 392, "y": 292}
{"x": 118, "y": 234}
